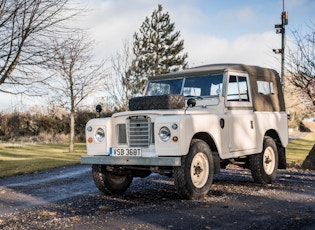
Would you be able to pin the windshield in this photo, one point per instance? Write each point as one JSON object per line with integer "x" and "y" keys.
{"x": 201, "y": 86}
{"x": 162, "y": 87}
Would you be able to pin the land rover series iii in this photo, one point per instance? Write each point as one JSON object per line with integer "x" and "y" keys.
{"x": 188, "y": 125}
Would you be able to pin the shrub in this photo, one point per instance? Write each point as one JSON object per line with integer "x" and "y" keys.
{"x": 45, "y": 128}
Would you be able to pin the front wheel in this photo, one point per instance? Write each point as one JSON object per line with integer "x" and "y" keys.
{"x": 264, "y": 165}
{"x": 194, "y": 177}
{"x": 108, "y": 182}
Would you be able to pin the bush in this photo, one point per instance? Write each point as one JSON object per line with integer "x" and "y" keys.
{"x": 46, "y": 128}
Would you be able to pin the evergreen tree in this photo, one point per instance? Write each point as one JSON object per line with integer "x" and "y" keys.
{"x": 157, "y": 49}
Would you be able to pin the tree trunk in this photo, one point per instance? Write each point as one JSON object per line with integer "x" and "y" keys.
{"x": 71, "y": 145}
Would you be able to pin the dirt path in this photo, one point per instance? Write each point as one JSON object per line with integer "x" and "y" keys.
{"x": 66, "y": 198}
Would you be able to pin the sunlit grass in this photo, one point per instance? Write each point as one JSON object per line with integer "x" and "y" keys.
{"x": 26, "y": 158}
{"x": 298, "y": 149}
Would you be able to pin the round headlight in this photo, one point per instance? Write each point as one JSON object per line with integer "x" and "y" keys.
{"x": 165, "y": 133}
{"x": 100, "y": 134}
{"x": 89, "y": 128}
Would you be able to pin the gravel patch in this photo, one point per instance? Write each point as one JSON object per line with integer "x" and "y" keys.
{"x": 234, "y": 202}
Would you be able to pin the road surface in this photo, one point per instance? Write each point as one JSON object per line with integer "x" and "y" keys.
{"x": 66, "y": 198}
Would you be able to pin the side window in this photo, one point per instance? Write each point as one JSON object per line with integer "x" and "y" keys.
{"x": 265, "y": 87}
{"x": 237, "y": 89}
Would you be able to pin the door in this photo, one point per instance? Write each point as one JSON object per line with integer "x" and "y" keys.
{"x": 240, "y": 115}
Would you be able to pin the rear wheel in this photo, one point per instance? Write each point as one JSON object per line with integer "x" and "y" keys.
{"x": 108, "y": 182}
{"x": 265, "y": 164}
{"x": 194, "y": 177}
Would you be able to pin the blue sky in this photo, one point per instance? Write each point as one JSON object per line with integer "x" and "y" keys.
{"x": 252, "y": 16}
{"x": 214, "y": 31}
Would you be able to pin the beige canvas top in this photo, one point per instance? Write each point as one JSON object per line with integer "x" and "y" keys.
{"x": 273, "y": 102}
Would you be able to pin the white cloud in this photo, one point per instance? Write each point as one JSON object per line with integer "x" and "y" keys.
{"x": 253, "y": 49}
{"x": 112, "y": 22}
{"x": 242, "y": 16}
{"x": 212, "y": 34}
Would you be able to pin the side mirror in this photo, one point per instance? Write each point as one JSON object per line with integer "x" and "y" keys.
{"x": 191, "y": 102}
{"x": 98, "y": 110}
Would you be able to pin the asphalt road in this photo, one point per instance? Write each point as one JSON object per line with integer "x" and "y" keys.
{"x": 44, "y": 187}
{"x": 66, "y": 198}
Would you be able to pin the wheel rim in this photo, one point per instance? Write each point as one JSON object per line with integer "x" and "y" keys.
{"x": 269, "y": 160}
{"x": 199, "y": 170}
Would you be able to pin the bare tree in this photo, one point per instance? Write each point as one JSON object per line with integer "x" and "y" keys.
{"x": 301, "y": 63}
{"x": 297, "y": 104}
{"x": 25, "y": 28}
{"x": 75, "y": 75}
{"x": 121, "y": 86}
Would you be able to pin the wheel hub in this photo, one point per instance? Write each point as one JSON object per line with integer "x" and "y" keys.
{"x": 199, "y": 170}
{"x": 269, "y": 160}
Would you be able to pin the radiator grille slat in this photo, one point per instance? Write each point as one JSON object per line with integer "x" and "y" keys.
{"x": 138, "y": 131}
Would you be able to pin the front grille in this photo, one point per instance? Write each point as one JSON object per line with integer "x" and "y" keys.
{"x": 139, "y": 129}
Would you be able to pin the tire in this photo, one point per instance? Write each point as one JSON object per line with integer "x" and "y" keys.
{"x": 171, "y": 101}
{"x": 194, "y": 177}
{"x": 264, "y": 165}
{"x": 108, "y": 182}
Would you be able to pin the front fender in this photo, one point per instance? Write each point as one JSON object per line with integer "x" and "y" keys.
{"x": 187, "y": 127}
{"x": 93, "y": 146}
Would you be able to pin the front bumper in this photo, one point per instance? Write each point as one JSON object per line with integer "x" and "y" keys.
{"x": 130, "y": 161}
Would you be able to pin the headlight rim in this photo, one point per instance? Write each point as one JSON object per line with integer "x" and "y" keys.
{"x": 100, "y": 135}
{"x": 163, "y": 136}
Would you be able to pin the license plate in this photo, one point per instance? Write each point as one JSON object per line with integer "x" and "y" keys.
{"x": 130, "y": 152}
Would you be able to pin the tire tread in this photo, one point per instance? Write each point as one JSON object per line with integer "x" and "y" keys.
{"x": 182, "y": 184}
{"x": 256, "y": 164}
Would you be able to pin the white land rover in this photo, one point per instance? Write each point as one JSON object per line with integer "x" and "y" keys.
{"x": 188, "y": 125}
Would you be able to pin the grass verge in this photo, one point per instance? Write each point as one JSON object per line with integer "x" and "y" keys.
{"x": 27, "y": 158}
{"x": 298, "y": 149}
